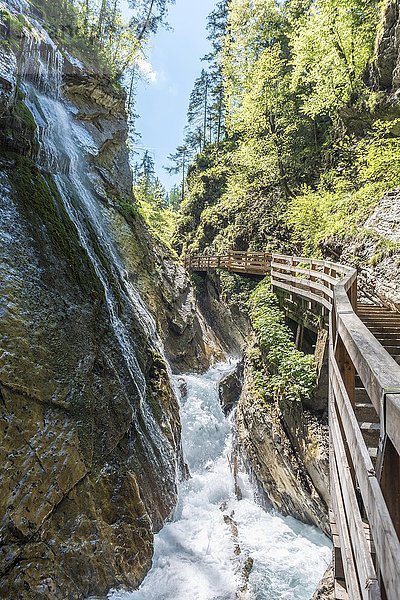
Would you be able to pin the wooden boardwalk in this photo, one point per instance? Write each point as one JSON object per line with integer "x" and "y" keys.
{"x": 364, "y": 415}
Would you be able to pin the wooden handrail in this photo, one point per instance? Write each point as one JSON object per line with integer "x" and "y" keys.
{"x": 353, "y": 350}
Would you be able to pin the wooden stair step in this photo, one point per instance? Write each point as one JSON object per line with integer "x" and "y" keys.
{"x": 386, "y": 335}
{"x": 374, "y": 307}
{"x": 368, "y": 537}
{"x": 373, "y": 453}
{"x": 365, "y": 412}
{"x": 362, "y": 395}
{"x": 370, "y": 432}
{"x": 374, "y": 327}
{"x": 368, "y": 426}
{"x": 384, "y": 319}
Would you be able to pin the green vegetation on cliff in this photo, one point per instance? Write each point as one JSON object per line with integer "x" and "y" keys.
{"x": 279, "y": 368}
{"x": 152, "y": 200}
{"x": 310, "y": 141}
{"x": 97, "y": 33}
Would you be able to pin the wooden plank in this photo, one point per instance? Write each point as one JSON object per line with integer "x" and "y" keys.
{"x": 382, "y": 529}
{"x": 302, "y": 293}
{"x": 366, "y": 572}
{"x": 315, "y": 273}
{"x": 355, "y": 441}
{"x": 346, "y": 367}
{"x": 340, "y": 592}
{"x": 307, "y": 283}
{"x": 390, "y": 482}
{"x": 345, "y": 545}
{"x": 323, "y": 263}
{"x": 337, "y": 553}
{"x": 376, "y": 368}
{"x": 392, "y": 420}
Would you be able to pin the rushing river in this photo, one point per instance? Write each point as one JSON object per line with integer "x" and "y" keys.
{"x": 218, "y": 547}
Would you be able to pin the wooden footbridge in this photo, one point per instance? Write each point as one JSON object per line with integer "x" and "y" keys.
{"x": 364, "y": 415}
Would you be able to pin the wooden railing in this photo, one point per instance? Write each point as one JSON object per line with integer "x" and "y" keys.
{"x": 365, "y": 498}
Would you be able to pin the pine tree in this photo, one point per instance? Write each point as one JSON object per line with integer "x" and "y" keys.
{"x": 217, "y": 30}
{"x": 175, "y": 197}
{"x": 180, "y": 162}
{"x": 197, "y": 114}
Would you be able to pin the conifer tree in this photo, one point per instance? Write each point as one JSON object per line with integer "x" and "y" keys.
{"x": 180, "y": 162}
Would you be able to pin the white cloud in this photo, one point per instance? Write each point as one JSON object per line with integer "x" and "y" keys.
{"x": 146, "y": 68}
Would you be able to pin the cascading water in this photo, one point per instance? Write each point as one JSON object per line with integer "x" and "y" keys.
{"x": 218, "y": 547}
{"x": 64, "y": 147}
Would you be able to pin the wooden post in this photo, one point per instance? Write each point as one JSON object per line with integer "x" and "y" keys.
{"x": 299, "y": 336}
{"x": 390, "y": 482}
{"x": 353, "y": 295}
{"x": 390, "y": 486}
{"x": 346, "y": 368}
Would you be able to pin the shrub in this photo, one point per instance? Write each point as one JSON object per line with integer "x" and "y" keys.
{"x": 290, "y": 372}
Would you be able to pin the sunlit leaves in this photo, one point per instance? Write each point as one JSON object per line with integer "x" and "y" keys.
{"x": 331, "y": 46}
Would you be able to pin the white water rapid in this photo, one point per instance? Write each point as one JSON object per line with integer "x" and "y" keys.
{"x": 214, "y": 539}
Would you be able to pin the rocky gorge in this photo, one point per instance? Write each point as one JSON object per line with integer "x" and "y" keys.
{"x": 90, "y": 443}
{"x": 96, "y": 312}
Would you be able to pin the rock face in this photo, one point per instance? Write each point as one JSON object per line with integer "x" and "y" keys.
{"x": 386, "y": 67}
{"x": 162, "y": 281}
{"x": 8, "y": 82}
{"x": 90, "y": 432}
{"x": 230, "y": 388}
{"x": 287, "y": 449}
{"x": 325, "y": 590}
{"x": 376, "y": 255}
{"x": 226, "y": 320}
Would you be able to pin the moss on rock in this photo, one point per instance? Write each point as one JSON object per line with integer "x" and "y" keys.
{"x": 37, "y": 193}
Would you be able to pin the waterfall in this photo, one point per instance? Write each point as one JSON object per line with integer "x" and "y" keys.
{"x": 65, "y": 145}
{"x": 219, "y": 547}
{"x": 40, "y": 62}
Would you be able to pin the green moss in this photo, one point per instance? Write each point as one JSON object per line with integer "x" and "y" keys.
{"x": 18, "y": 128}
{"x": 37, "y": 193}
{"x": 128, "y": 210}
{"x": 158, "y": 389}
{"x": 23, "y": 115}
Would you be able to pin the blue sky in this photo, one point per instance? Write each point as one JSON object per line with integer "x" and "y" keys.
{"x": 162, "y": 100}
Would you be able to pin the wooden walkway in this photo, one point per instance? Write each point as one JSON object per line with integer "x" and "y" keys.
{"x": 364, "y": 415}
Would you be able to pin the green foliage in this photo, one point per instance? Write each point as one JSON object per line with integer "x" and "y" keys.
{"x": 309, "y": 148}
{"x": 95, "y": 31}
{"x": 152, "y": 200}
{"x": 161, "y": 221}
{"x": 331, "y": 45}
{"x": 347, "y": 195}
{"x": 236, "y": 289}
{"x": 280, "y": 369}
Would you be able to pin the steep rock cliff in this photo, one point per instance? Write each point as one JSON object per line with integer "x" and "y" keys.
{"x": 386, "y": 66}
{"x": 90, "y": 432}
{"x": 287, "y": 450}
